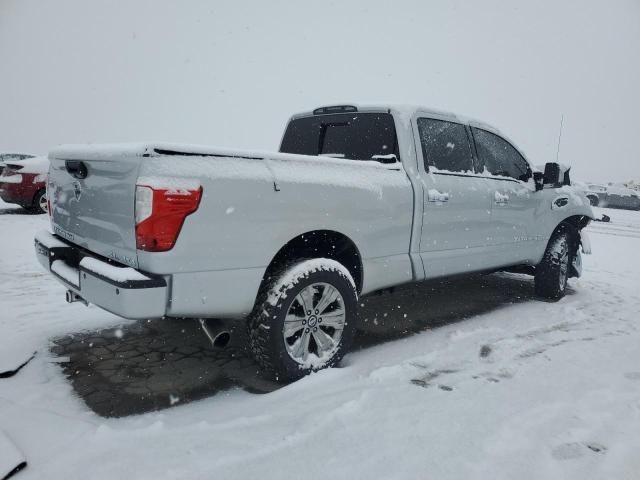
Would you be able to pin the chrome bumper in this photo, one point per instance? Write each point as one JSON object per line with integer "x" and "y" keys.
{"x": 120, "y": 290}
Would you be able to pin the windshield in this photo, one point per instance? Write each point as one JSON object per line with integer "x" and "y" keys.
{"x": 356, "y": 136}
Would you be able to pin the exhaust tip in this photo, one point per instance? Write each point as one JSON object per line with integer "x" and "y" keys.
{"x": 217, "y": 335}
{"x": 222, "y": 339}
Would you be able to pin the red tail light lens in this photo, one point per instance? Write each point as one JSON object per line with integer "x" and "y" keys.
{"x": 160, "y": 214}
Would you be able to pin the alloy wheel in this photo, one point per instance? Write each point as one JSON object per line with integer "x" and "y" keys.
{"x": 314, "y": 323}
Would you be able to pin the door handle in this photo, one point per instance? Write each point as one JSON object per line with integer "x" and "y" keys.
{"x": 434, "y": 196}
{"x": 501, "y": 198}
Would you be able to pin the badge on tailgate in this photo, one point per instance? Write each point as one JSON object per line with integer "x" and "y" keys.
{"x": 63, "y": 233}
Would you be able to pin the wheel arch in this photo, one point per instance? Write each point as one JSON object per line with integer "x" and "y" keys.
{"x": 593, "y": 198}
{"x": 36, "y": 193}
{"x": 318, "y": 244}
{"x": 574, "y": 223}
{"x": 577, "y": 222}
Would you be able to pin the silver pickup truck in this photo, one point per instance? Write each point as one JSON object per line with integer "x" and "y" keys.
{"x": 358, "y": 199}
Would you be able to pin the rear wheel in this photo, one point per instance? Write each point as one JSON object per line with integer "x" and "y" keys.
{"x": 553, "y": 271}
{"x": 305, "y": 320}
{"x": 39, "y": 202}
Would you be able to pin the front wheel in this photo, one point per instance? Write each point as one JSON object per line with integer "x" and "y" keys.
{"x": 553, "y": 271}
{"x": 304, "y": 320}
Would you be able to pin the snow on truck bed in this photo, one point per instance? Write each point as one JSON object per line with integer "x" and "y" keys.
{"x": 115, "y": 151}
{"x": 193, "y": 162}
{"x": 525, "y": 390}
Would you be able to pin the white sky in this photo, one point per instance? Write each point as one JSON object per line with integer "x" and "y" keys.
{"x": 231, "y": 73}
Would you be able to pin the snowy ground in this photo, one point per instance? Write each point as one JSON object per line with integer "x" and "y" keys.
{"x": 498, "y": 390}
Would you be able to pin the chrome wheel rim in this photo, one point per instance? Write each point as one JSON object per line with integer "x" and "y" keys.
{"x": 314, "y": 324}
{"x": 42, "y": 202}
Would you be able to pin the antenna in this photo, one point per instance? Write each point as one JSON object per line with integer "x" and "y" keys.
{"x": 559, "y": 137}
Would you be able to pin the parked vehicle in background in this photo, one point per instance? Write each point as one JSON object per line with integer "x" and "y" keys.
{"x": 357, "y": 200}
{"x": 613, "y": 196}
{"x": 24, "y": 182}
{"x": 619, "y": 196}
{"x": 589, "y": 190}
{"x": 10, "y": 157}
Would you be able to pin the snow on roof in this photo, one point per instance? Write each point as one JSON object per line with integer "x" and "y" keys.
{"x": 407, "y": 111}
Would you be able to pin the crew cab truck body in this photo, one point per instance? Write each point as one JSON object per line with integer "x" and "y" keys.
{"x": 358, "y": 199}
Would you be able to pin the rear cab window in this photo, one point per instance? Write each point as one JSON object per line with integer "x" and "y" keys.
{"x": 445, "y": 146}
{"x": 499, "y": 157}
{"x": 353, "y": 135}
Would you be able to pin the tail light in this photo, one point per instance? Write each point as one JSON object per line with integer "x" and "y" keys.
{"x": 160, "y": 214}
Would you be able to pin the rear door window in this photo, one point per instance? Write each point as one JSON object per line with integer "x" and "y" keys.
{"x": 500, "y": 157}
{"x": 445, "y": 145}
{"x": 355, "y": 136}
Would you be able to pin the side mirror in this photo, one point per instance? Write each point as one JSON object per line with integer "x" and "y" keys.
{"x": 552, "y": 174}
{"x": 389, "y": 159}
{"x": 538, "y": 179}
{"x": 556, "y": 175}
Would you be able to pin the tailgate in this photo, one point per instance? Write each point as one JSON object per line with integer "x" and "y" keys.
{"x": 92, "y": 196}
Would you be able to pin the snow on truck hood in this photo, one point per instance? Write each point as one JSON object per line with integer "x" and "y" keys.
{"x": 157, "y": 149}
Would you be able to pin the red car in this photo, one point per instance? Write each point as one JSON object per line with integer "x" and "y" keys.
{"x": 25, "y": 182}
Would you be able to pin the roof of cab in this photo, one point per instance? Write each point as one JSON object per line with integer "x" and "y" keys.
{"x": 405, "y": 111}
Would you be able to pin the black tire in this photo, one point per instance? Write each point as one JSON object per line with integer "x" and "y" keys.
{"x": 266, "y": 325}
{"x": 39, "y": 202}
{"x": 553, "y": 271}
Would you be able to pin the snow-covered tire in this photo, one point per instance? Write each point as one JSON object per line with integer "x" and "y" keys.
{"x": 553, "y": 271}
{"x": 288, "y": 335}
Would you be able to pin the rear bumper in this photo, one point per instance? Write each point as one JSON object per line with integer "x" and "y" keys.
{"x": 120, "y": 290}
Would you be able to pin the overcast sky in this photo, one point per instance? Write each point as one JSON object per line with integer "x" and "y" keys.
{"x": 231, "y": 73}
